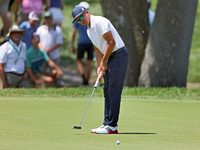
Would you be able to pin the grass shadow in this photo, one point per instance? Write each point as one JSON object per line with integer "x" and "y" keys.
{"x": 140, "y": 133}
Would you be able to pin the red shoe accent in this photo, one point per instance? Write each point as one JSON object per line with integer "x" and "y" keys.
{"x": 112, "y": 132}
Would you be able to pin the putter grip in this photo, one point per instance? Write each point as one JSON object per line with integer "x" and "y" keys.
{"x": 97, "y": 81}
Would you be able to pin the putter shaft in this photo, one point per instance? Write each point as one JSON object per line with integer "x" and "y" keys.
{"x": 87, "y": 106}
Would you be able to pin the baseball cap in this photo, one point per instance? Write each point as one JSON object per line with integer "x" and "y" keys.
{"x": 77, "y": 11}
{"x": 33, "y": 16}
{"x": 84, "y": 4}
{"x": 47, "y": 14}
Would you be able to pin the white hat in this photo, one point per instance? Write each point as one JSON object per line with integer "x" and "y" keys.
{"x": 84, "y": 4}
{"x": 33, "y": 16}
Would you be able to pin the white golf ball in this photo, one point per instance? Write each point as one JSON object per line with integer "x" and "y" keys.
{"x": 117, "y": 142}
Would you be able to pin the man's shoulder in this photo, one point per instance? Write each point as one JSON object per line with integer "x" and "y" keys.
{"x": 25, "y": 24}
{"x": 30, "y": 50}
{"x": 58, "y": 28}
{"x": 42, "y": 27}
{"x": 4, "y": 46}
{"x": 98, "y": 20}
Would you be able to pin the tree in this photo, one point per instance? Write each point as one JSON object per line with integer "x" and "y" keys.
{"x": 167, "y": 52}
{"x": 130, "y": 18}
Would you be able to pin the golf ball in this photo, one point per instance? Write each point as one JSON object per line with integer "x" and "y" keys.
{"x": 117, "y": 142}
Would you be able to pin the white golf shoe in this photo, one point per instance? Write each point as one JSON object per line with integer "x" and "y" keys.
{"x": 94, "y": 130}
{"x": 106, "y": 130}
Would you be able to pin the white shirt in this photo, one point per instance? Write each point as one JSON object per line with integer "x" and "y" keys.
{"x": 48, "y": 38}
{"x": 13, "y": 56}
{"x": 98, "y": 27}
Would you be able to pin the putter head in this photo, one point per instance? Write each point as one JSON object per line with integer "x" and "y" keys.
{"x": 77, "y": 127}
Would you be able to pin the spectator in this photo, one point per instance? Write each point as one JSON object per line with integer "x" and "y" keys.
{"x": 13, "y": 60}
{"x": 36, "y": 57}
{"x": 28, "y": 6}
{"x": 4, "y": 4}
{"x": 84, "y": 44}
{"x": 151, "y": 13}
{"x": 56, "y": 7}
{"x": 30, "y": 27}
{"x": 51, "y": 38}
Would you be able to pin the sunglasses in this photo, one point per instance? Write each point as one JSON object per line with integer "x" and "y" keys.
{"x": 81, "y": 18}
{"x": 36, "y": 39}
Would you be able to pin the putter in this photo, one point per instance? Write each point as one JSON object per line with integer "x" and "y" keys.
{"x": 95, "y": 86}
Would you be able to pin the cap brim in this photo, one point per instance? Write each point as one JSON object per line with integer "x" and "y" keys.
{"x": 76, "y": 17}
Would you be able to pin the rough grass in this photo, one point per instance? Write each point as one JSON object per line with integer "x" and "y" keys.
{"x": 133, "y": 93}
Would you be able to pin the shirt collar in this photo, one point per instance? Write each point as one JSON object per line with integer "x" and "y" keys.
{"x": 20, "y": 43}
{"x": 91, "y": 21}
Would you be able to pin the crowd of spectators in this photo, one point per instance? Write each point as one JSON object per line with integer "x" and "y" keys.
{"x": 30, "y": 49}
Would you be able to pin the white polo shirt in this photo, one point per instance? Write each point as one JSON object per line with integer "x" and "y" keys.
{"x": 48, "y": 38}
{"x": 98, "y": 27}
{"x": 13, "y": 56}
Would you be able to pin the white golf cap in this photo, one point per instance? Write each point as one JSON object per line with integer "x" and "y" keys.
{"x": 84, "y": 4}
{"x": 33, "y": 16}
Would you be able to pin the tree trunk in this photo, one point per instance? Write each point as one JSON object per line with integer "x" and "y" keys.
{"x": 167, "y": 52}
{"x": 123, "y": 16}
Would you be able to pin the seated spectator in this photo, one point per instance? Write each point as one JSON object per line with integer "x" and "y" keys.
{"x": 36, "y": 60}
{"x": 51, "y": 38}
{"x": 13, "y": 60}
{"x": 30, "y": 27}
{"x": 56, "y": 7}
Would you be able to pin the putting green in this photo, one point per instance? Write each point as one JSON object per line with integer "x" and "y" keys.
{"x": 46, "y": 123}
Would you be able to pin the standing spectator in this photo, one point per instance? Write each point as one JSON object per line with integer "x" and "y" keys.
{"x": 3, "y": 12}
{"x": 30, "y": 27}
{"x": 13, "y": 60}
{"x": 84, "y": 44}
{"x": 112, "y": 61}
{"x": 36, "y": 57}
{"x": 28, "y": 6}
{"x": 51, "y": 38}
{"x": 56, "y": 7}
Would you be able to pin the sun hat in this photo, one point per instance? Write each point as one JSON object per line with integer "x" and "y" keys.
{"x": 84, "y": 4}
{"x": 33, "y": 16}
{"x": 77, "y": 11}
{"x": 48, "y": 14}
{"x": 15, "y": 28}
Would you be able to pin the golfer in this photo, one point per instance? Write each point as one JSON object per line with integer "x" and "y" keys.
{"x": 112, "y": 60}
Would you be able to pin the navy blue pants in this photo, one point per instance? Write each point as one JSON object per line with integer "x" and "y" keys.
{"x": 113, "y": 85}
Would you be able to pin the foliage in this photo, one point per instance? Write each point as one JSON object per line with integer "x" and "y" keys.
{"x": 69, "y": 60}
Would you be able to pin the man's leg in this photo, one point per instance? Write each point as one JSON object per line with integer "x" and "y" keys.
{"x": 117, "y": 65}
{"x": 89, "y": 69}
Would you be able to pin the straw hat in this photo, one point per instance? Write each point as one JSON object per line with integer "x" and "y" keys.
{"x": 15, "y": 28}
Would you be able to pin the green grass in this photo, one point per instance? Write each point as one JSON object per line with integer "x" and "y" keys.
{"x": 133, "y": 93}
{"x": 149, "y": 119}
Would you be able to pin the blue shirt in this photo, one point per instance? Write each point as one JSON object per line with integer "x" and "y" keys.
{"x": 28, "y": 32}
{"x": 151, "y": 16}
{"x": 82, "y": 31}
{"x": 56, "y": 3}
